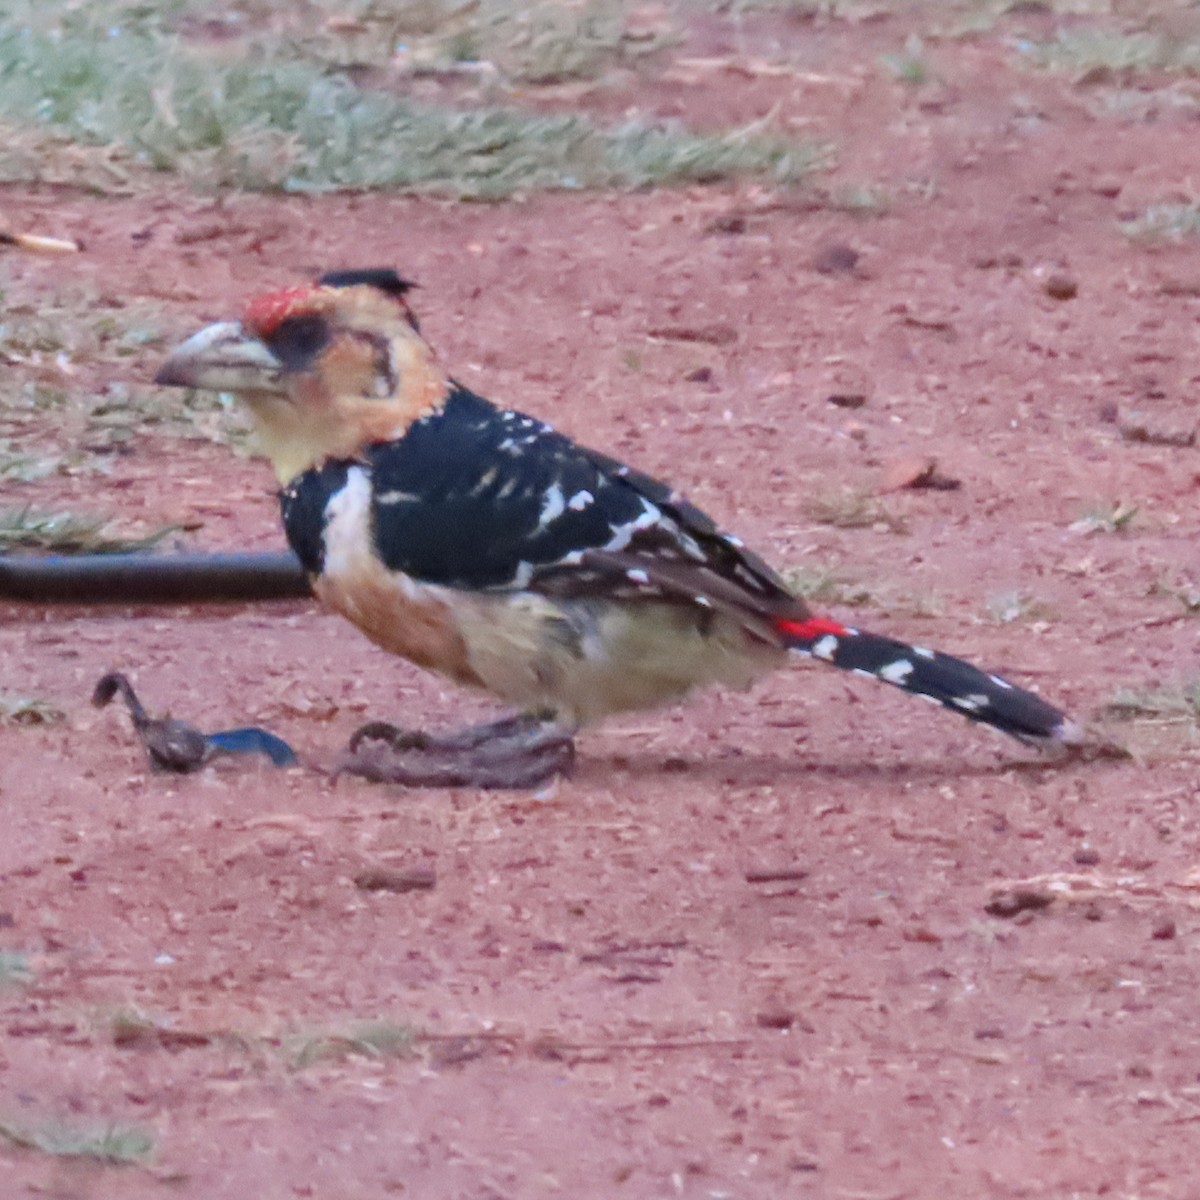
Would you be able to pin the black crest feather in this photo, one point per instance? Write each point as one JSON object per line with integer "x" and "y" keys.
{"x": 383, "y": 278}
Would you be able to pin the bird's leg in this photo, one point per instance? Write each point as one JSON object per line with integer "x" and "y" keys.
{"x": 516, "y": 752}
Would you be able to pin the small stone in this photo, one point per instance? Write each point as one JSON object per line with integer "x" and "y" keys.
{"x": 835, "y": 258}
{"x": 904, "y": 472}
{"x": 1061, "y": 287}
{"x": 775, "y": 1018}
{"x": 1019, "y": 900}
{"x": 1164, "y": 931}
{"x": 1137, "y": 429}
{"x": 916, "y": 471}
{"x": 717, "y": 334}
{"x": 1086, "y": 857}
{"x": 731, "y": 223}
{"x": 847, "y": 399}
{"x": 700, "y": 375}
{"x": 390, "y": 879}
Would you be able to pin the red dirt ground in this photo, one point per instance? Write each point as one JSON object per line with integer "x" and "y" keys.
{"x": 605, "y": 1005}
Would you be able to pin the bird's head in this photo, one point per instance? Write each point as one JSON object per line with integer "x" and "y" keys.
{"x": 326, "y": 368}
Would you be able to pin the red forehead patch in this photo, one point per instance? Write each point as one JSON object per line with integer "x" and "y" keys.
{"x": 264, "y": 313}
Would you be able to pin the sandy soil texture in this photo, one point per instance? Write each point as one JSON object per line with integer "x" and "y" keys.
{"x": 747, "y": 950}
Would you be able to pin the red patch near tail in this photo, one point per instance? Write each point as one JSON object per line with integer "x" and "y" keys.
{"x": 813, "y": 628}
{"x": 263, "y": 314}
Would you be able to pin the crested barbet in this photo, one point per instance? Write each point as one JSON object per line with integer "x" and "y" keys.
{"x": 480, "y": 542}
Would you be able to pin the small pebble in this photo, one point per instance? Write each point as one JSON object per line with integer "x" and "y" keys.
{"x": 1061, "y": 287}
{"x": 775, "y": 1018}
{"x": 1164, "y": 931}
{"x": 836, "y": 258}
{"x": 1017, "y": 901}
{"x": 389, "y": 879}
{"x": 1086, "y": 857}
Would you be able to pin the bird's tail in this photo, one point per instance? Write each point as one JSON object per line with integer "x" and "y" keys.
{"x": 966, "y": 690}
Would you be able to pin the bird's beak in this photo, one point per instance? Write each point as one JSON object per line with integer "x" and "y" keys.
{"x": 223, "y": 358}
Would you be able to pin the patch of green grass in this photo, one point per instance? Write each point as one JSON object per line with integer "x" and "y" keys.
{"x": 541, "y": 42}
{"x": 859, "y": 199}
{"x": 16, "y": 709}
{"x": 58, "y": 330}
{"x": 1163, "y": 223}
{"x": 1110, "y": 517}
{"x": 1184, "y": 591}
{"x": 272, "y": 121}
{"x": 372, "y": 1039}
{"x": 69, "y": 533}
{"x": 115, "y": 1144}
{"x": 825, "y": 587}
{"x": 909, "y": 65}
{"x": 849, "y": 509}
{"x": 1086, "y": 50}
{"x": 1157, "y": 705}
{"x": 14, "y": 969}
{"x": 21, "y": 466}
{"x": 1009, "y": 606}
{"x": 548, "y": 43}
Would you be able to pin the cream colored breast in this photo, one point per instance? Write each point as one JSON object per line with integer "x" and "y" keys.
{"x": 398, "y": 613}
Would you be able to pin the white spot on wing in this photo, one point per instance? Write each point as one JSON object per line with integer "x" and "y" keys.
{"x": 637, "y": 575}
{"x": 623, "y": 534}
{"x": 896, "y": 672}
{"x": 395, "y": 497}
{"x": 580, "y": 500}
{"x": 554, "y": 504}
{"x": 971, "y": 703}
{"x": 486, "y": 480}
{"x": 922, "y": 652}
{"x": 1001, "y": 683}
{"x": 826, "y": 648}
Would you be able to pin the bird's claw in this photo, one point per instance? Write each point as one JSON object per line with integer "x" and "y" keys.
{"x": 517, "y": 753}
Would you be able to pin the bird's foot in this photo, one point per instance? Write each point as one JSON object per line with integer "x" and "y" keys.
{"x": 517, "y": 752}
{"x": 173, "y": 745}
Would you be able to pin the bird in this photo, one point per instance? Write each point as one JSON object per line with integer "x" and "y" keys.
{"x": 482, "y": 543}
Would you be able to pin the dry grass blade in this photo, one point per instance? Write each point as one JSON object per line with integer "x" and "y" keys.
{"x": 70, "y": 533}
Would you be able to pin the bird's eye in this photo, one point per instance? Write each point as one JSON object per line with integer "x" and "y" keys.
{"x": 296, "y": 341}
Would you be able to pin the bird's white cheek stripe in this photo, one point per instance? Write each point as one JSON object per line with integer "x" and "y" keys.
{"x": 348, "y": 523}
{"x": 348, "y": 554}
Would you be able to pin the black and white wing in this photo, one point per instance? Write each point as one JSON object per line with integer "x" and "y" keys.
{"x": 479, "y": 498}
